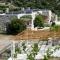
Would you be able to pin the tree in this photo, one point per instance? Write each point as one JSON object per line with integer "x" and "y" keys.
{"x": 53, "y": 5}
{"x": 15, "y": 26}
{"x": 39, "y": 21}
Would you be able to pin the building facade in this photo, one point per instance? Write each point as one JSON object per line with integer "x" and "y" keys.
{"x": 5, "y": 18}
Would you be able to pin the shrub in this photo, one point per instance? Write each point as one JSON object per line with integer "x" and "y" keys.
{"x": 55, "y": 28}
{"x": 15, "y": 26}
{"x": 39, "y": 21}
{"x": 45, "y": 57}
{"x": 24, "y": 46}
{"x": 17, "y": 50}
{"x": 35, "y": 49}
{"x": 30, "y": 57}
{"x": 53, "y": 24}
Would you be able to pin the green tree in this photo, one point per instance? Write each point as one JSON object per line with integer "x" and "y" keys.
{"x": 39, "y": 21}
{"x": 53, "y": 5}
{"x": 15, "y": 26}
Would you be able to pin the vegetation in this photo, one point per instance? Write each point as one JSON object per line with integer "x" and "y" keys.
{"x": 45, "y": 57}
{"x": 27, "y": 16}
{"x": 30, "y": 57}
{"x": 53, "y": 5}
{"x": 49, "y": 52}
{"x": 15, "y": 26}
{"x": 17, "y": 50}
{"x": 34, "y": 52}
{"x": 53, "y": 24}
{"x": 39, "y": 21}
{"x": 24, "y": 47}
{"x": 35, "y": 49}
{"x": 3, "y": 8}
{"x": 55, "y": 28}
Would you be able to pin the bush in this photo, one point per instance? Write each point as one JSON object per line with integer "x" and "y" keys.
{"x": 35, "y": 49}
{"x": 15, "y": 26}
{"x": 39, "y": 21}
{"x": 30, "y": 57}
{"x": 24, "y": 46}
{"x": 17, "y": 50}
{"x": 53, "y": 24}
{"x": 55, "y": 28}
{"x": 45, "y": 57}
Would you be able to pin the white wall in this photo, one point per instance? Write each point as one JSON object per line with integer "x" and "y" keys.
{"x": 33, "y": 14}
{"x": 49, "y": 16}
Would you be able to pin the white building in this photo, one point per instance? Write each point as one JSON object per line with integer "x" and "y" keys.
{"x": 48, "y": 13}
{"x": 4, "y": 18}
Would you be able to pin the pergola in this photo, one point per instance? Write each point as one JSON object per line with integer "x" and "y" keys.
{"x": 33, "y": 14}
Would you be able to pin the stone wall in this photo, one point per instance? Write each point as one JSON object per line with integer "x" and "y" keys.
{"x": 4, "y": 19}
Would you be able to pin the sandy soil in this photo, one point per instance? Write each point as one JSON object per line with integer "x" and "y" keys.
{"x": 5, "y": 37}
{"x": 28, "y": 34}
{"x": 33, "y": 35}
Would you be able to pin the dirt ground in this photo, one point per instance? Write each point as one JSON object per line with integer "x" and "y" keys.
{"x": 29, "y": 34}
{"x": 5, "y": 37}
{"x": 40, "y": 34}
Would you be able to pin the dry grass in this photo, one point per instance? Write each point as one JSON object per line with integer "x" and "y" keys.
{"x": 33, "y": 35}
